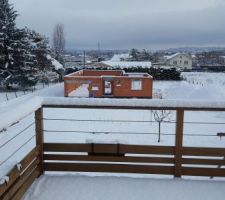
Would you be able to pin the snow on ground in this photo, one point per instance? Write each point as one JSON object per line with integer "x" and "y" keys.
{"x": 40, "y": 89}
{"x": 114, "y": 188}
{"x": 81, "y": 91}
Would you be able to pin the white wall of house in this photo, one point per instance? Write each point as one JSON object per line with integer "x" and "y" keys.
{"x": 180, "y": 60}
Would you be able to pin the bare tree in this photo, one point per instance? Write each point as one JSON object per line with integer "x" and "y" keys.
{"x": 160, "y": 116}
{"x": 59, "y": 40}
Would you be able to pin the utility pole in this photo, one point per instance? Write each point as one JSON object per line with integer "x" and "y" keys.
{"x": 99, "y": 50}
{"x": 84, "y": 59}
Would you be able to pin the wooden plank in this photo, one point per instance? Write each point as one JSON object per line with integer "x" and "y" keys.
{"x": 109, "y": 158}
{"x": 203, "y": 151}
{"x": 111, "y": 168}
{"x": 20, "y": 181}
{"x": 179, "y": 142}
{"x": 101, "y": 148}
{"x": 105, "y": 148}
{"x": 19, "y": 194}
{"x": 134, "y": 108}
{"x": 63, "y": 147}
{"x": 39, "y": 135}
{"x": 29, "y": 158}
{"x": 145, "y": 149}
{"x": 193, "y": 161}
{"x": 15, "y": 173}
{"x": 215, "y": 172}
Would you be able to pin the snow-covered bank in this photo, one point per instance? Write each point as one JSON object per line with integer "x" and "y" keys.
{"x": 114, "y": 188}
{"x": 16, "y": 109}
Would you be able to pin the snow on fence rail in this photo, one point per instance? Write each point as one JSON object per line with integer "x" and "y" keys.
{"x": 13, "y": 112}
{"x": 135, "y": 103}
{"x": 169, "y": 160}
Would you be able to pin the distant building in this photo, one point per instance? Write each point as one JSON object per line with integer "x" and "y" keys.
{"x": 180, "y": 60}
{"x": 124, "y": 61}
{"x": 128, "y": 64}
{"x": 108, "y": 83}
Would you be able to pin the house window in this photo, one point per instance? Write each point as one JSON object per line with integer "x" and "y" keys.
{"x": 186, "y": 62}
{"x": 136, "y": 84}
{"x": 175, "y": 62}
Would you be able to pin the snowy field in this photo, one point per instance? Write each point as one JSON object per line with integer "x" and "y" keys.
{"x": 123, "y": 126}
{"x": 7, "y": 96}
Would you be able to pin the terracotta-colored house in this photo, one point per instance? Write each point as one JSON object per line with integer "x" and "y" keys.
{"x": 108, "y": 83}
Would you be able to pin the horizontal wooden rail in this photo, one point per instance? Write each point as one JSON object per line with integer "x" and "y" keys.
{"x": 203, "y": 151}
{"x": 198, "y": 161}
{"x": 126, "y": 159}
{"x": 110, "y": 154}
{"x": 108, "y": 148}
{"x": 112, "y": 168}
{"x": 197, "y": 171}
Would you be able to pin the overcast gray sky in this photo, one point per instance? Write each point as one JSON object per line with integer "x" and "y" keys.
{"x": 123, "y": 24}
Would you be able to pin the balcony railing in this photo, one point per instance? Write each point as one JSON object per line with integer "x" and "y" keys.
{"x": 177, "y": 160}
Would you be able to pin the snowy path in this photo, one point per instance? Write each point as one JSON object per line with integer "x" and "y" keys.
{"x": 114, "y": 188}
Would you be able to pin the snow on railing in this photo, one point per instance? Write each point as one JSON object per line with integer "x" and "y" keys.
{"x": 16, "y": 111}
{"x": 135, "y": 103}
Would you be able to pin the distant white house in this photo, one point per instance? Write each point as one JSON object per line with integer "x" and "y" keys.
{"x": 180, "y": 60}
{"x": 117, "y": 61}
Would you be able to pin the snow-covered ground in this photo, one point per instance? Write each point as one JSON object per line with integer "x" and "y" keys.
{"x": 81, "y": 91}
{"x": 7, "y": 96}
{"x": 132, "y": 127}
{"x": 114, "y": 188}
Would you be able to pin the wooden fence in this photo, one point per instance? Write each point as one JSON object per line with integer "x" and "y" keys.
{"x": 174, "y": 160}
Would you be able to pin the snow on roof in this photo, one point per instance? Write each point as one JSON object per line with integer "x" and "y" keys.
{"x": 55, "y": 63}
{"x": 172, "y": 56}
{"x": 176, "y": 54}
{"x": 118, "y": 57}
{"x": 127, "y": 64}
{"x": 117, "y": 62}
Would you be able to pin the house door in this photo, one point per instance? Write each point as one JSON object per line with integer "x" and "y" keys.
{"x": 107, "y": 88}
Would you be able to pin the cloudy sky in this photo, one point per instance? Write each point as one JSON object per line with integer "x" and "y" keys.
{"x": 123, "y": 24}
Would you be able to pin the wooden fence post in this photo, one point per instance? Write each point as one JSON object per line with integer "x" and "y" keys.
{"x": 179, "y": 142}
{"x": 39, "y": 136}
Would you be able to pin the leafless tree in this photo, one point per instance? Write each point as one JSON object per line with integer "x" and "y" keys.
{"x": 59, "y": 39}
{"x": 160, "y": 116}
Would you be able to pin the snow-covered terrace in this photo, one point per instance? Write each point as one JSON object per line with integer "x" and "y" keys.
{"x": 202, "y": 161}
